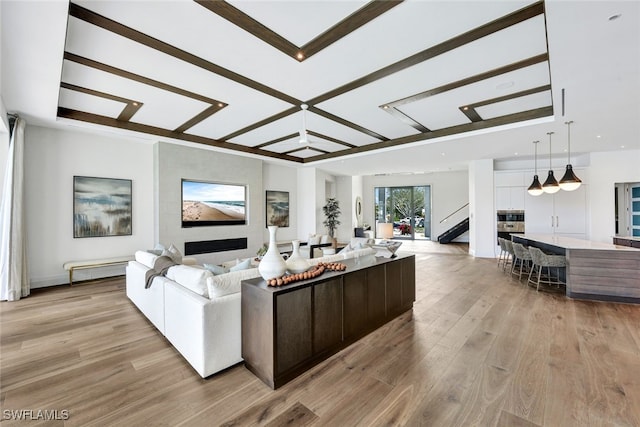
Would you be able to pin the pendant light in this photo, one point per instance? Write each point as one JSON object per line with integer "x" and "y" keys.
{"x": 569, "y": 181}
{"x": 550, "y": 185}
{"x": 535, "y": 189}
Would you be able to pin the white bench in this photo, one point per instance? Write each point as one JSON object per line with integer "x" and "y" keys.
{"x": 94, "y": 263}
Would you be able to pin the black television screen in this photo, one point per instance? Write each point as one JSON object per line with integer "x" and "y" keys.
{"x": 210, "y": 203}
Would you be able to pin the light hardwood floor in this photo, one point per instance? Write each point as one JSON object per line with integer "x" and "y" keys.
{"x": 479, "y": 348}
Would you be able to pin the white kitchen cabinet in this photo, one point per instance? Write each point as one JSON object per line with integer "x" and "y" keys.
{"x": 563, "y": 213}
{"x": 510, "y": 198}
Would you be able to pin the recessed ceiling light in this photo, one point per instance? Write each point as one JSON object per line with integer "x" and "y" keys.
{"x": 135, "y": 104}
{"x": 614, "y": 17}
{"x": 465, "y": 108}
{"x": 220, "y": 104}
{"x": 516, "y": 153}
{"x": 598, "y": 136}
{"x": 505, "y": 85}
{"x": 386, "y": 107}
{"x": 300, "y": 56}
{"x": 442, "y": 154}
{"x": 622, "y": 146}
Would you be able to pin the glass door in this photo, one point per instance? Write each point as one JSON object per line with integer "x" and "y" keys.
{"x": 635, "y": 210}
{"x": 407, "y": 208}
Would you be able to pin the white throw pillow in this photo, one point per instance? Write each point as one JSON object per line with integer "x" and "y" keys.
{"x": 146, "y": 258}
{"x": 241, "y": 265}
{"x": 173, "y": 253}
{"x": 229, "y": 283}
{"x": 314, "y": 239}
{"x": 216, "y": 269}
{"x": 192, "y": 278}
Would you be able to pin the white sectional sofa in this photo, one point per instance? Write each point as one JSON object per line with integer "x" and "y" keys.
{"x": 199, "y": 313}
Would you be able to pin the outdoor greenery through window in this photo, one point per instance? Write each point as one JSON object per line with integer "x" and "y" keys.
{"x": 408, "y": 208}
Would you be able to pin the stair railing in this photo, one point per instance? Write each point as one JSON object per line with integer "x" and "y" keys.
{"x": 454, "y": 212}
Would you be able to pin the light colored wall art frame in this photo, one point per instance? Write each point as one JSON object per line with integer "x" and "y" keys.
{"x": 277, "y": 208}
{"x": 101, "y": 207}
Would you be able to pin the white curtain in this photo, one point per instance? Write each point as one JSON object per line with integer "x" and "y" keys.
{"x": 14, "y": 275}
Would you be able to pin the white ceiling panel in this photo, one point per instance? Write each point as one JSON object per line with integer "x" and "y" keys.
{"x": 90, "y": 103}
{"x": 205, "y": 58}
{"x": 525, "y": 103}
{"x": 161, "y": 108}
{"x": 290, "y": 19}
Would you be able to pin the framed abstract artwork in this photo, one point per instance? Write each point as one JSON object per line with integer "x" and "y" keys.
{"x": 277, "y": 208}
{"x": 101, "y": 207}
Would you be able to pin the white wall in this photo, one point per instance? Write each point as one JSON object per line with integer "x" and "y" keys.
{"x": 608, "y": 168}
{"x": 307, "y": 206}
{"x": 449, "y": 191}
{"x": 52, "y": 158}
{"x": 482, "y": 235}
{"x": 282, "y": 178}
{"x": 325, "y": 187}
{"x": 172, "y": 163}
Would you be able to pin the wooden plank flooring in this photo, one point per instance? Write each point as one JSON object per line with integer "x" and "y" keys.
{"x": 478, "y": 349}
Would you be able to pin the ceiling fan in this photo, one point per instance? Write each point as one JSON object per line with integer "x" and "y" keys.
{"x": 304, "y": 137}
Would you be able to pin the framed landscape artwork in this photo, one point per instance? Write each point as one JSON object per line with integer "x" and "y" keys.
{"x": 101, "y": 207}
{"x": 277, "y": 208}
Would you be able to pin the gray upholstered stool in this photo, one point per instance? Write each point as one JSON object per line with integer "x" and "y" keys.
{"x": 542, "y": 260}
{"x": 522, "y": 261}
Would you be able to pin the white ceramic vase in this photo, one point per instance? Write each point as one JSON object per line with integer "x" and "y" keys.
{"x": 272, "y": 264}
{"x": 296, "y": 263}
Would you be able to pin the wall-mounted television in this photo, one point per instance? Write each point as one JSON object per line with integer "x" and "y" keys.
{"x": 211, "y": 203}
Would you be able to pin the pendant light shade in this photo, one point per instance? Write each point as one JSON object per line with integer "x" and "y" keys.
{"x": 535, "y": 189}
{"x": 551, "y": 185}
{"x": 569, "y": 181}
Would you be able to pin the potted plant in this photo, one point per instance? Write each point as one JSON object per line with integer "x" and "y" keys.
{"x": 331, "y": 212}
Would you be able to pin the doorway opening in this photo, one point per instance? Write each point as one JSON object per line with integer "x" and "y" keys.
{"x": 408, "y": 208}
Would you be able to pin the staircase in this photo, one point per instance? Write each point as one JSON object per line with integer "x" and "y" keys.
{"x": 454, "y": 231}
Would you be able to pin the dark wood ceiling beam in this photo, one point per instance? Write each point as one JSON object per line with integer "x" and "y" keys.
{"x": 347, "y": 123}
{"x": 261, "y": 123}
{"x": 131, "y": 106}
{"x": 351, "y": 23}
{"x": 250, "y": 25}
{"x": 328, "y": 138}
{"x": 306, "y": 147}
{"x": 506, "y": 21}
{"x": 138, "y": 78}
{"x": 472, "y": 79}
{"x": 91, "y": 17}
{"x": 470, "y": 109}
{"x": 467, "y": 127}
{"x": 275, "y": 141}
{"x": 165, "y": 133}
{"x": 405, "y": 118}
{"x": 206, "y": 113}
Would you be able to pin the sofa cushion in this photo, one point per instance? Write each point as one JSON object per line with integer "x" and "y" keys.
{"x": 243, "y": 265}
{"x": 216, "y": 269}
{"x": 229, "y": 283}
{"x": 192, "y": 278}
{"x": 173, "y": 253}
{"x": 314, "y": 239}
{"x": 146, "y": 258}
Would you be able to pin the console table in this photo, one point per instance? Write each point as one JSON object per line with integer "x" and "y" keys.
{"x": 288, "y": 329}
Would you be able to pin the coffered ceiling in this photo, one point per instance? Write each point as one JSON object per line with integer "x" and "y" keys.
{"x": 375, "y": 75}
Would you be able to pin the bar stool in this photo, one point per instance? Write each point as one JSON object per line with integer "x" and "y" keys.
{"x": 503, "y": 251}
{"x": 510, "y": 254}
{"x": 541, "y": 260}
{"x": 522, "y": 255}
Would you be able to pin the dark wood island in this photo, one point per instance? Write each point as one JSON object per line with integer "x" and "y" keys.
{"x": 288, "y": 329}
